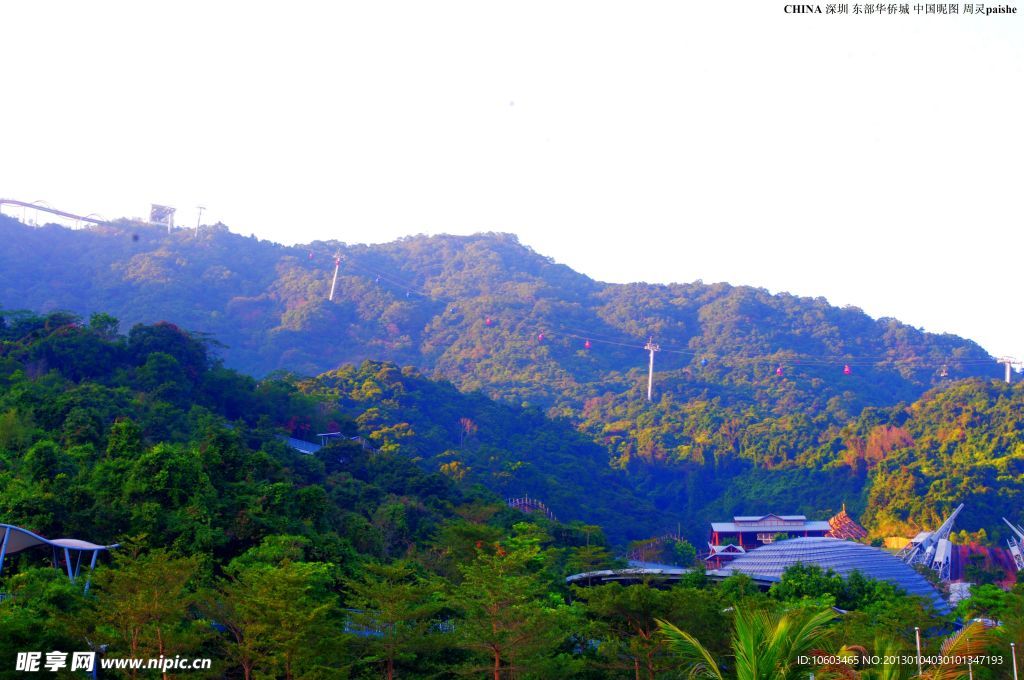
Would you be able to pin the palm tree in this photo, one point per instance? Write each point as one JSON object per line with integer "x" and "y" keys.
{"x": 970, "y": 641}
{"x": 764, "y": 644}
{"x": 766, "y": 647}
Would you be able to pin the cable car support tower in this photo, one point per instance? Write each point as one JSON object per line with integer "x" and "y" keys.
{"x": 652, "y": 348}
{"x": 334, "y": 282}
{"x": 1009, "y": 362}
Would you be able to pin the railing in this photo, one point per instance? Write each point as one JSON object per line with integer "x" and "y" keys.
{"x": 527, "y": 504}
{"x": 370, "y": 629}
{"x": 654, "y": 544}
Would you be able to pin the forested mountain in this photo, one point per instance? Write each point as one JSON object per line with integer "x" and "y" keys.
{"x": 425, "y": 301}
{"x": 752, "y": 412}
{"x": 145, "y": 440}
{"x": 392, "y": 559}
{"x": 392, "y": 553}
{"x": 70, "y": 386}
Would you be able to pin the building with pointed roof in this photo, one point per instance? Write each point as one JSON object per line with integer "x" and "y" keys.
{"x": 843, "y": 526}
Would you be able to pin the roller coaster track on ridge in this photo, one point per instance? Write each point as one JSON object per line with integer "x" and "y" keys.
{"x": 54, "y": 211}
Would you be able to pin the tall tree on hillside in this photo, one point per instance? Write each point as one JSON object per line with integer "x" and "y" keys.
{"x": 510, "y": 623}
{"x": 39, "y": 611}
{"x": 626, "y": 623}
{"x": 142, "y": 605}
{"x": 279, "y": 618}
{"x": 392, "y": 615}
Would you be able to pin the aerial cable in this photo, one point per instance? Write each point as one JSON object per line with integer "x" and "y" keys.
{"x": 378, "y": 277}
{"x": 847, "y": 360}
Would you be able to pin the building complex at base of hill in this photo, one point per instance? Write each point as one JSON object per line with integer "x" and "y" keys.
{"x": 841, "y": 556}
{"x": 766, "y": 564}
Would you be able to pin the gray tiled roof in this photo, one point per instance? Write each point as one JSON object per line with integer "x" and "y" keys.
{"x": 843, "y": 557}
{"x": 301, "y": 445}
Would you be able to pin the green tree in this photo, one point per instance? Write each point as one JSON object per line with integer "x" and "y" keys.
{"x": 15, "y": 430}
{"x": 511, "y": 624}
{"x": 626, "y": 623}
{"x": 807, "y": 581}
{"x": 280, "y": 619}
{"x": 892, "y": 618}
{"x": 398, "y": 608}
{"x": 739, "y": 588}
{"x": 143, "y": 605}
{"x": 124, "y": 440}
{"x": 986, "y": 601}
{"x": 583, "y": 558}
{"x": 38, "y": 612}
{"x": 104, "y": 325}
{"x": 684, "y": 553}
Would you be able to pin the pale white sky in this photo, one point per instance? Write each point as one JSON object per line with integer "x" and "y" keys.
{"x": 873, "y": 160}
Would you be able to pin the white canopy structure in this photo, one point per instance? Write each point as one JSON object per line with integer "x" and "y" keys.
{"x": 16, "y": 539}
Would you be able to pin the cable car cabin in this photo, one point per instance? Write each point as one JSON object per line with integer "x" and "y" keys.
{"x": 778, "y": 371}
{"x": 586, "y": 345}
{"x": 846, "y": 370}
{"x": 540, "y": 337}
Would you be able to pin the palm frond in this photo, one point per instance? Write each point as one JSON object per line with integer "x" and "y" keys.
{"x": 971, "y": 640}
{"x": 755, "y": 656}
{"x": 889, "y": 649}
{"x": 698, "y": 660}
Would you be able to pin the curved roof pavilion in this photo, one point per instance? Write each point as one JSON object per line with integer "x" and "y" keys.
{"x": 16, "y": 539}
{"x": 841, "y": 556}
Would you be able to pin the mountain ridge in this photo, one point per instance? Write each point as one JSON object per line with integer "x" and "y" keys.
{"x": 755, "y": 394}
{"x": 252, "y": 279}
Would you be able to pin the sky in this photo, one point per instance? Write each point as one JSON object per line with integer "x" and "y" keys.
{"x": 872, "y": 160}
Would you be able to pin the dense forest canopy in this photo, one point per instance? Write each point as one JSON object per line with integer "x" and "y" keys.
{"x": 725, "y": 434}
{"x": 391, "y": 551}
{"x": 387, "y": 557}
